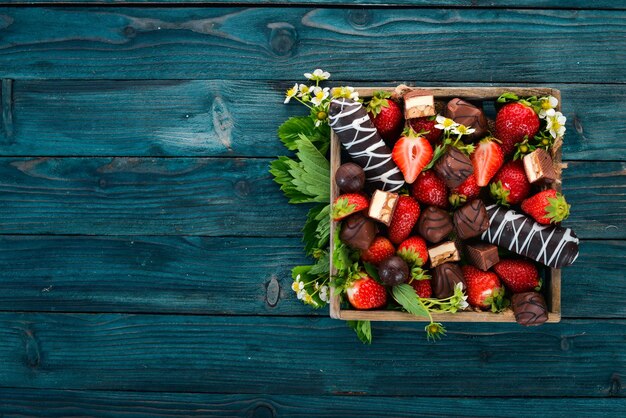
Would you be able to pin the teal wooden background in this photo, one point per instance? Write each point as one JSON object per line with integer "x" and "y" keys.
{"x": 145, "y": 251}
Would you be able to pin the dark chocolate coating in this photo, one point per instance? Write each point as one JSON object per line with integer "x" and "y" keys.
{"x": 445, "y": 278}
{"x": 471, "y": 219}
{"x": 358, "y": 232}
{"x": 393, "y": 271}
{"x": 358, "y": 135}
{"x": 434, "y": 224}
{"x": 481, "y": 255}
{"x": 467, "y": 114}
{"x": 549, "y": 245}
{"x": 454, "y": 167}
{"x": 529, "y": 308}
{"x": 350, "y": 178}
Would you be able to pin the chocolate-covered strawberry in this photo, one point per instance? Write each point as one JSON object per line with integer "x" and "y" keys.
{"x": 510, "y": 185}
{"x": 547, "y": 207}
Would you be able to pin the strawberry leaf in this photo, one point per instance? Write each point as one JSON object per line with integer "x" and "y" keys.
{"x": 371, "y": 271}
{"x": 363, "y": 330}
{"x": 406, "y": 297}
{"x": 316, "y": 229}
{"x": 507, "y": 97}
{"x": 289, "y": 132}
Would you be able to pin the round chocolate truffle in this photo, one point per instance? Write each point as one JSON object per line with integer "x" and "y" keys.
{"x": 350, "y": 178}
{"x": 393, "y": 271}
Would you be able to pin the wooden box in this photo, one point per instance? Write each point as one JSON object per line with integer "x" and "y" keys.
{"x": 552, "y": 284}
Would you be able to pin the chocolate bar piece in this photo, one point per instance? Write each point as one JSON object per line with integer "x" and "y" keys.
{"x": 443, "y": 253}
{"x": 418, "y": 103}
{"x": 351, "y": 123}
{"x": 358, "y": 232}
{"x": 529, "y": 308}
{"x": 434, "y": 224}
{"x": 454, "y": 167}
{"x": 467, "y": 114}
{"x": 471, "y": 220}
{"x": 481, "y": 255}
{"x": 445, "y": 278}
{"x": 382, "y": 206}
{"x": 539, "y": 167}
{"x": 550, "y": 245}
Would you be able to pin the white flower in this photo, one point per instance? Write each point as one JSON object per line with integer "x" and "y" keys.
{"x": 318, "y": 75}
{"x": 324, "y": 294}
{"x": 319, "y": 95}
{"x": 297, "y": 285}
{"x": 304, "y": 90}
{"x": 302, "y": 294}
{"x": 556, "y": 123}
{"x": 462, "y": 130}
{"x": 547, "y": 103}
{"x": 346, "y": 92}
{"x": 445, "y": 123}
{"x": 291, "y": 93}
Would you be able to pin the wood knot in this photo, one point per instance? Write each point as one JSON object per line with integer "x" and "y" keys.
{"x": 263, "y": 410}
{"x": 223, "y": 122}
{"x": 32, "y": 351}
{"x": 615, "y": 385}
{"x": 272, "y": 291}
{"x": 129, "y": 32}
{"x": 242, "y": 188}
{"x": 283, "y": 39}
{"x": 565, "y": 344}
{"x": 359, "y": 18}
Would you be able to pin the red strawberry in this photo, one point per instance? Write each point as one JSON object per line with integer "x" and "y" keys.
{"x": 411, "y": 154}
{"x": 367, "y": 293}
{"x": 487, "y": 160}
{"x": 413, "y": 250}
{"x": 515, "y": 121}
{"x": 380, "y": 250}
{"x": 518, "y": 275}
{"x": 404, "y": 218}
{"x": 426, "y": 127}
{"x": 429, "y": 189}
{"x": 510, "y": 185}
{"x": 423, "y": 288}
{"x": 467, "y": 191}
{"x": 386, "y": 115}
{"x": 484, "y": 289}
{"x": 547, "y": 207}
{"x": 349, "y": 203}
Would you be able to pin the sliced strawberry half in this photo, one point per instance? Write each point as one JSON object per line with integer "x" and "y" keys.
{"x": 411, "y": 154}
{"x": 487, "y": 160}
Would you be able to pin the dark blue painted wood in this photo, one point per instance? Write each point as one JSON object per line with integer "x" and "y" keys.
{"x": 308, "y": 356}
{"x": 57, "y": 403}
{"x": 454, "y": 45}
{"x": 222, "y": 276}
{"x": 227, "y": 118}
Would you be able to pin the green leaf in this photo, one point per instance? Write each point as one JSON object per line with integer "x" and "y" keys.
{"x": 280, "y": 169}
{"x": 289, "y": 132}
{"x": 312, "y": 176}
{"x": 372, "y": 271}
{"x": 363, "y": 330}
{"x": 322, "y": 266}
{"x": 507, "y": 97}
{"x": 316, "y": 231}
{"x": 406, "y": 297}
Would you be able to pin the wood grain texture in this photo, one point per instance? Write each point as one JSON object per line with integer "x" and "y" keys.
{"x": 228, "y": 118}
{"x": 291, "y": 356}
{"x": 222, "y": 276}
{"x": 63, "y": 403}
{"x": 218, "y": 197}
{"x": 281, "y": 43}
{"x": 112, "y": 196}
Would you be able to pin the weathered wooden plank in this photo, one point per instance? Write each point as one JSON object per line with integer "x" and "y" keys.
{"x": 63, "y": 403}
{"x": 271, "y": 43}
{"x": 307, "y": 356}
{"x": 557, "y": 4}
{"x": 221, "y": 276}
{"x": 218, "y": 197}
{"x": 228, "y": 118}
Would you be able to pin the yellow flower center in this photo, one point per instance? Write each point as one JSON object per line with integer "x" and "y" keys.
{"x": 448, "y": 122}
{"x": 545, "y": 104}
{"x": 291, "y": 92}
{"x": 321, "y": 115}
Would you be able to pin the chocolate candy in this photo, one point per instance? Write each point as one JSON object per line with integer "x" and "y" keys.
{"x": 393, "y": 271}
{"x": 418, "y": 103}
{"x": 539, "y": 167}
{"x": 467, "y": 114}
{"x": 454, "y": 167}
{"x": 434, "y": 224}
{"x": 350, "y": 122}
{"x": 550, "y": 245}
{"x": 350, "y": 178}
{"x": 481, "y": 255}
{"x": 471, "y": 220}
{"x": 443, "y": 253}
{"x": 358, "y": 232}
{"x": 382, "y": 206}
{"x": 445, "y": 278}
{"x": 529, "y": 308}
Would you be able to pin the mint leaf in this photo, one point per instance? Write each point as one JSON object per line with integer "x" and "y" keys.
{"x": 406, "y": 297}
{"x": 363, "y": 330}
